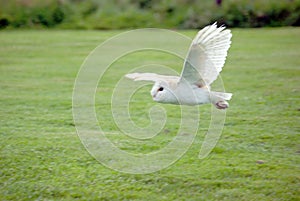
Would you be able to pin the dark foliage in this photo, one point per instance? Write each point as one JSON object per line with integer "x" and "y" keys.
{"x": 118, "y": 14}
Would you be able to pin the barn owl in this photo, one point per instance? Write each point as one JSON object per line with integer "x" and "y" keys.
{"x": 204, "y": 62}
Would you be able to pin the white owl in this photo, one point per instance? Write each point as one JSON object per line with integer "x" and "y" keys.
{"x": 204, "y": 62}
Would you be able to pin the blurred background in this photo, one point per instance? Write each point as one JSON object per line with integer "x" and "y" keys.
{"x": 127, "y": 14}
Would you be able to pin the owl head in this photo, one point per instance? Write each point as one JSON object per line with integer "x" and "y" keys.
{"x": 161, "y": 92}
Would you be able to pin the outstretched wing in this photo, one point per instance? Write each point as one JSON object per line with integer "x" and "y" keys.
{"x": 150, "y": 77}
{"x": 206, "y": 56}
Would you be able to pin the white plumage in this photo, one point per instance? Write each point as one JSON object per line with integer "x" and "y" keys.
{"x": 204, "y": 62}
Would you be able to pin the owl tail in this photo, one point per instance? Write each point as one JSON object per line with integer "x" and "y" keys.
{"x": 219, "y": 99}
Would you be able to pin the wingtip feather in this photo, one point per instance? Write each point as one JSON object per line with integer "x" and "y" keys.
{"x": 132, "y": 76}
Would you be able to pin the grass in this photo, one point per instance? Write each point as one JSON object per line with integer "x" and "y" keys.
{"x": 42, "y": 157}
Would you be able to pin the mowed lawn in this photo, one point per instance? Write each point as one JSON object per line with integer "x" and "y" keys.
{"x": 42, "y": 158}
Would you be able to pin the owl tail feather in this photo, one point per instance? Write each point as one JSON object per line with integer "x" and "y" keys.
{"x": 220, "y": 95}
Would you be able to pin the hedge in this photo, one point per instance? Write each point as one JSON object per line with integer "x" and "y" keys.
{"x": 126, "y": 14}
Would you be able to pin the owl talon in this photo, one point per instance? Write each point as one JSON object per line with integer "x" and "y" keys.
{"x": 222, "y": 105}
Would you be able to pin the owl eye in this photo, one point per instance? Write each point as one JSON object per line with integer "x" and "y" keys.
{"x": 160, "y": 89}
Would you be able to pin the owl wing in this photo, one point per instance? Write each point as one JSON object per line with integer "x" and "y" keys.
{"x": 151, "y": 77}
{"x": 206, "y": 56}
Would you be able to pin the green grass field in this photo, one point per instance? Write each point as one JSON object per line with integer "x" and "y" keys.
{"x": 42, "y": 157}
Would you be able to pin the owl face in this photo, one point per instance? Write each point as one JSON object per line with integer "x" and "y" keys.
{"x": 160, "y": 92}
